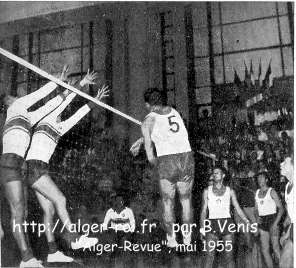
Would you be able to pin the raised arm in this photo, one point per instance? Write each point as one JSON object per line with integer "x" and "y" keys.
{"x": 66, "y": 125}
{"x": 44, "y": 91}
{"x": 147, "y": 128}
{"x": 38, "y": 94}
{"x": 46, "y": 109}
{"x": 237, "y": 207}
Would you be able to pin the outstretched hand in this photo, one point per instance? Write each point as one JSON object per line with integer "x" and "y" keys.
{"x": 89, "y": 78}
{"x": 102, "y": 92}
{"x": 65, "y": 72}
{"x": 135, "y": 149}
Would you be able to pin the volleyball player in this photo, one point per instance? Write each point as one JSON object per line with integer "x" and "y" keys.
{"x": 287, "y": 170}
{"x": 16, "y": 139}
{"x": 44, "y": 141}
{"x": 217, "y": 199}
{"x": 270, "y": 210}
{"x": 164, "y": 128}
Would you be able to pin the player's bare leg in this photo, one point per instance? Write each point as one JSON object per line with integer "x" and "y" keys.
{"x": 184, "y": 189}
{"x": 54, "y": 255}
{"x": 168, "y": 191}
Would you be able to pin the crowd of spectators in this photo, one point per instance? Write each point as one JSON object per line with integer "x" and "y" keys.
{"x": 246, "y": 149}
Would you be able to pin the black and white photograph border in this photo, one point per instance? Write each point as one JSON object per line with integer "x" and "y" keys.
{"x": 147, "y": 134}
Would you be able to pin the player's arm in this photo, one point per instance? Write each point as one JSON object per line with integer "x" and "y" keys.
{"x": 88, "y": 79}
{"x": 204, "y": 208}
{"x": 66, "y": 125}
{"x": 287, "y": 220}
{"x": 107, "y": 219}
{"x": 256, "y": 213}
{"x": 132, "y": 221}
{"x": 135, "y": 148}
{"x": 285, "y": 235}
{"x": 44, "y": 91}
{"x": 147, "y": 128}
{"x": 237, "y": 207}
{"x": 279, "y": 206}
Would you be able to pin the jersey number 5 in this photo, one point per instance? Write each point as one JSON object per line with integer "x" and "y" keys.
{"x": 174, "y": 125}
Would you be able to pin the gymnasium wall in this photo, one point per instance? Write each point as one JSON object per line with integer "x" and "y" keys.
{"x": 227, "y": 34}
{"x": 147, "y": 44}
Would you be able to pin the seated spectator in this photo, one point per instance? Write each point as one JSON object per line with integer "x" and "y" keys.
{"x": 119, "y": 218}
{"x": 118, "y": 226}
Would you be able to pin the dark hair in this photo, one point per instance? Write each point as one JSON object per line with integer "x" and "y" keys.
{"x": 223, "y": 170}
{"x": 266, "y": 176}
{"x": 263, "y": 173}
{"x": 154, "y": 96}
{"x": 226, "y": 179}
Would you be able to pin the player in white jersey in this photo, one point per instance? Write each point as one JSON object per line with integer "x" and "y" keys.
{"x": 44, "y": 141}
{"x": 286, "y": 241}
{"x": 16, "y": 139}
{"x": 268, "y": 211}
{"x": 164, "y": 128}
{"x": 217, "y": 199}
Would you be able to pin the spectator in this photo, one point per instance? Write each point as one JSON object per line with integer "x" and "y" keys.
{"x": 119, "y": 217}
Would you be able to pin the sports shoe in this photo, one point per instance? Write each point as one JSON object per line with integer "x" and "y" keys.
{"x": 32, "y": 263}
{"x": 171, "y": 241}
{"x": 58, "y": 257}
{"x": 84, "y": 242}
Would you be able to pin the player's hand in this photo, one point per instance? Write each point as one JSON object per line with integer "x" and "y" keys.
{"x": 102, "y": 92}
{"x": 89, "y": 78}
{"x": 202, "y": 237}
{"x": 202, "y": 234}
{"x": 65, "y": 72}
{"x": 283, "y": 239}
{"x": 72, "y": 81}
{"x": 257, "y": 231}
{"x": 135, "y": 149}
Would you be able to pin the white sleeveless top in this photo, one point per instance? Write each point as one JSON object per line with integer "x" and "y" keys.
{"x": 266, "y": 205}
{"x": 169, "y": 134}
{"x": 290, "y": 202}
{"x": 219, "y": 206}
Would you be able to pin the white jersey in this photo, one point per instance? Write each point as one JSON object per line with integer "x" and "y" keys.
{"x": 169, "y": 133}
{"x": 123, "y": 221}
{"x": 49, "y": 131}
{"x": 219, "y": 206}
{"x": 266, "y": 205}
{"x": 19, "y": 120}
{"x": 290, "y": 202}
